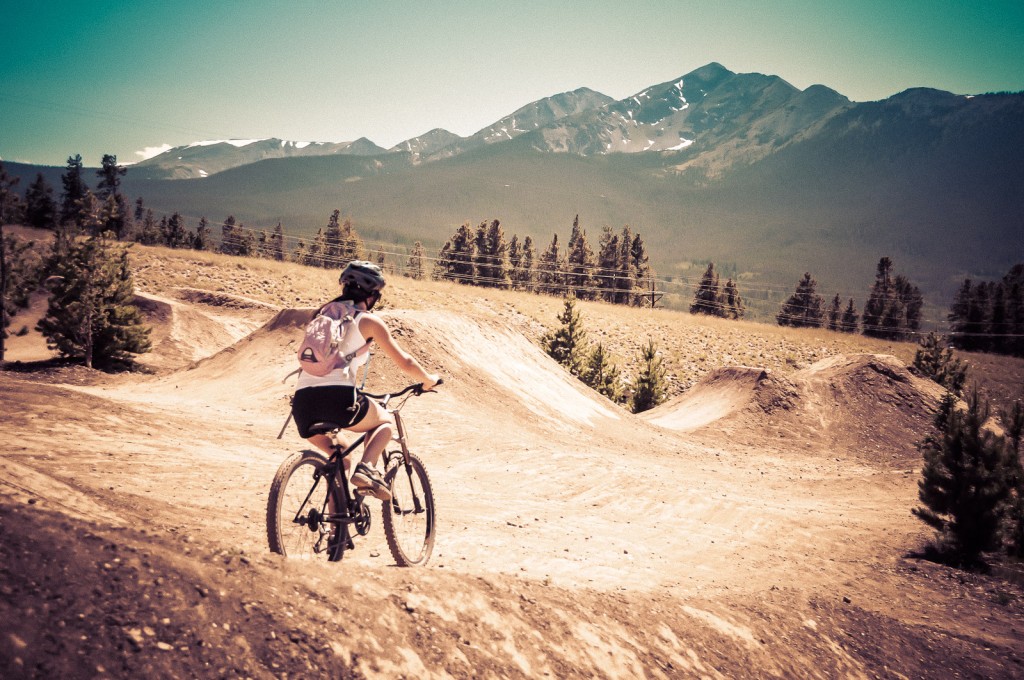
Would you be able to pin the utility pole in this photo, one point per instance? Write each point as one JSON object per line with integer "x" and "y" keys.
{"x": 653, "y": 294}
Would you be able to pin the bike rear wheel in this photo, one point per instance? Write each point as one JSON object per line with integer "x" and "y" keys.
{"x": 409, "y": 517}
{"x": 297, "y": 507}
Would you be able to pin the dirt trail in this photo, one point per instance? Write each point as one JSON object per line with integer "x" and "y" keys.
{"x": 745, "y": 528}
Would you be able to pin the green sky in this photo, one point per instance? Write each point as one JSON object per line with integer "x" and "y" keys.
{"x": 120, "y": 77}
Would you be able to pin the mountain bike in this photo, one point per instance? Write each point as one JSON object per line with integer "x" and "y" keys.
{"x": 312, "y": 507}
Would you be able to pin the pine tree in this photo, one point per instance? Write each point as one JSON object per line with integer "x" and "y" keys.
{"x": 803, "y": 309}
{"x": 567, "y": 343}
{"x": 734, "y": 307}
{"x": 550, "y": 269}
{"x": 977, "y": 323}
{"x": 262, "y": 249}
{"x": 112, "y": 217}
{"x": 607, "y": 264}
{"x": 989, "y": 316}
{"x": 893, "y": 309}
{"x": 125, "y": 225}
{"x": 12, "y": 256}
{"x": 201, "y": 240}
{"x": 149, "y": 233}
{"x": 443, "y": 262}
{"x": 997, "y": 326}
{"x": 316, "y": 253}
{"x": 277, "y": 252}
{"x": 7, "y": 185}
{"x": 574, "y": 233}
{"x": 1014, "y": 284}
{"x": 639, "y": 265}
{"x": 415, "y": 268}
{"x": 174, "y": 232}
{"x": 850, "y": 319}
{"x": 625, "y": 277}
{"x": 706, "y": 298}
{"x": 912, "y": 302}
{"x": 580, "y": 264}
{"x": 934, "y": 359}
{"x": 527, "y": 267}
{"x": 891, "y": 323}
{"x": 14, "y": 210}
{"x": 649, "y": 386}
{"x": 515, "y": 263}
{"x": 74, "y": 192}
{"x": 965, "y": 480}
{"x": 480, "y": 256}
{"x": 835, "y": 313}
{"x": 351, "y": 245}
{"x": 1013, "y": 519}
{"x": 246, "y": 241}
{"x": 20, "y": 270}
{"x": 490, "y": 258}
{"x": 229, "y": 237}
{"x": 333, "y": 251}
{"x": 958, "y": 312}
{"x": 40, "y": 206}
{"x": 110, "y": 174}
{"x": 601, "y": 374}
{"x": 463, "y": 250}
{"x": 301, "y": 252}
{"x": 878, "y": 299}
{"x": 90, "y": 214}
{"x": 90, "y": 315}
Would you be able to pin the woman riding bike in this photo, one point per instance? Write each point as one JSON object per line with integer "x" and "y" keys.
{"x": 335, "y": 397}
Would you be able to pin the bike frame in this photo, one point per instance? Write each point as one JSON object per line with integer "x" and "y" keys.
{"x": 349, "y": 513}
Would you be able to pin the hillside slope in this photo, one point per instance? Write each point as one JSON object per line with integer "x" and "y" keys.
{"x": 574, "y": 539}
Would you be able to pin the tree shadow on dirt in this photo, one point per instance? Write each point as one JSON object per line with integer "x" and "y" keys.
{"x": 63, "y": 365}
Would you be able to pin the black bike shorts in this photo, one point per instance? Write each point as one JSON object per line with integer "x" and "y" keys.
{"x": 339, "y": 404}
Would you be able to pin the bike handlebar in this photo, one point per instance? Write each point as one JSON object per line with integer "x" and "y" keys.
{"x": 416, "y": 389}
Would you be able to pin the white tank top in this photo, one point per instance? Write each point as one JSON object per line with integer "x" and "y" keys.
{"x": 352, "y": 341}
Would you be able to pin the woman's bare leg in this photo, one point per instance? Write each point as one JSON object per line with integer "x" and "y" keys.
{"x": 380, "y": 428}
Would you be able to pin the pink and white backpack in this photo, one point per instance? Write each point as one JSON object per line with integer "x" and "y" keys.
{"x": 320, "y": 350}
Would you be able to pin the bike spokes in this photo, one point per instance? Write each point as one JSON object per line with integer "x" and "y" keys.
{"x": 409, "y": 516}
{"x": 298, "y": 509}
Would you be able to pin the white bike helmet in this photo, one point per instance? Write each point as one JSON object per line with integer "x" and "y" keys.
{"x": 364, "y": 275}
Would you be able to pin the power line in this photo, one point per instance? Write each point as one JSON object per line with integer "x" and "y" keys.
{"x": 681, "y": 285}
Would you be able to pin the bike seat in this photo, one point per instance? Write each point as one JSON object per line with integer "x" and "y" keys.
{"x": 324, "y": 427}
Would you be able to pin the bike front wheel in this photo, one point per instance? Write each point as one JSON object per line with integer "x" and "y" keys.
{"x": 300, "y": 500}
{"x": 409, "y": 517}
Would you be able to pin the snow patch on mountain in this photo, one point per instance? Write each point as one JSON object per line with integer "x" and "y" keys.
{"x": 239, "y": 143}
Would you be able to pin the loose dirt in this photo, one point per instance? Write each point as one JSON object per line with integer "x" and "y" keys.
{"x": 758, "y": 525}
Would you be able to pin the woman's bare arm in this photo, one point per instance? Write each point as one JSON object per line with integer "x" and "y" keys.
{"x": 371, "y": 326}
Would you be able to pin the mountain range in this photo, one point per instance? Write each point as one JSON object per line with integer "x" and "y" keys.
{"x": 718, "y": 117}
{"x": 745, "y": 170}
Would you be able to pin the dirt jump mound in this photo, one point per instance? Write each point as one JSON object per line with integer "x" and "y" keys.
{"x": 186, "y": 330}
{"x": 722, "y": 393}
{"x": 868, "y": 404}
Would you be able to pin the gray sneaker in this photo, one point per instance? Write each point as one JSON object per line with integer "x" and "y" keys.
{"x": 369, "y": 481}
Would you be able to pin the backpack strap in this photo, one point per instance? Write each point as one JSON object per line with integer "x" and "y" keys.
{"x": 357, "y": 353}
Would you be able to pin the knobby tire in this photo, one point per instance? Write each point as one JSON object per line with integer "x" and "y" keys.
{"x": 288, "y": 498}
{"x": 409, "y": 527}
